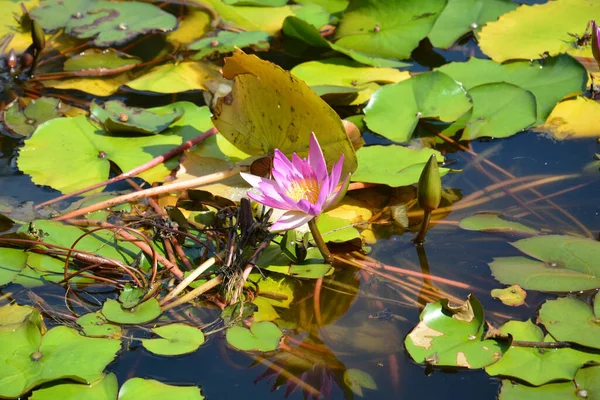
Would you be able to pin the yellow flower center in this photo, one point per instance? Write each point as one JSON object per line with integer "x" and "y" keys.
{"x": 307, "y": 189}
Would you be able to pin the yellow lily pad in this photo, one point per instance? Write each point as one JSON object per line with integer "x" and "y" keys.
{"x": 573, "y": 119}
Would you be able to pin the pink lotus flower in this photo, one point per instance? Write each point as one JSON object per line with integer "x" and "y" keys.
{"x": 595, "y": 42}
{"x": 301, "y": 186}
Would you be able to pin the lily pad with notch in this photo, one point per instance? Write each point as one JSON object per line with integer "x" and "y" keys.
{"x": 24, "y": 121}
{"x": 176, "y": 339}
{"x": 119, "y": 118}
{"x": 262, "y": 336}
{"x": 140, "y": 314}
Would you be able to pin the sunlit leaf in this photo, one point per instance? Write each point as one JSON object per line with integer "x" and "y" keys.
{"x": 147, "y": 389}
{"x": 332, "y": 6}
{"x": 510, "y": 296}
{"x": 176, "y": 339}
{"x": 143, "y": 312}
{"x": 493, "y": 222}
{"x": 262, "y": 336}
{"x": 226, "y": 42}
{"x": 313, "y": 266}
{"x": 573, "y": 119}
{"x": 96, "y": 62}
{"x": 24, "y": 121}
{"x": 336, "y": 230}
{"x": 96, "y": 325}
{"x": 175, "y": 77}
{"x": 9, "y": 23}
{"x": 117, "y": 117}
{"x": 195, "y": 24}
{"x": 105, "y": 388}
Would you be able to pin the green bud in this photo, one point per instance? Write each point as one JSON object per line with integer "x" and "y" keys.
{"x": 429, "y": 189}
{"x": 37, "y": 35}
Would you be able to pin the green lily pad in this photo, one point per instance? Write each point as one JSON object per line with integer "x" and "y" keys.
{"x": 373, "y": 165}
{"x": 552, "y": 391}
{"x": 105, "y": 388}
{"x": 263, "y": 3}
{"x": 149, "y": 389}
{"x": 511, "y": 296}
{"x": 23, "y": 122}
{"x": 117, "y": 117}
{"x": 175, "y": 77}
{"x": 13, "y": 316}
{"x": 61, "y": 353}
{"x": 130, "y": 296}
{"x": 357, "y": 379}
{"x": 454, "y": 336}
{"x": 550, "y": 80}
{"x": 97, "y": 62}
{"x": 176, "y": 339}
{"x": 336, "y": 230}
{"x": 313, "y": 266}
{"x": 565, "y": 264}
{"x": 394, "y": 110}
{"x": 262, "y": 336}
{"x": 72, "y": 153}
{"x": 226, "y": 42}
{"x": 332, "y": 6}
{"x": 463, "y": 16}
{"x": 537, "y": 366}
{"x": 142, "y": 313}
{"x": 568, "y": 319}
{"x": 493, "y": 222}
{"x": 387, "y": 28}
{"x": 105, "y": 22}
{"x": 96, "y": 325}
{"x": 279, "y": 287}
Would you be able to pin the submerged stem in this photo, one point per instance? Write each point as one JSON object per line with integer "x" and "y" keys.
{"x": 421, "y": 235}
{"x": 312, "y": 224}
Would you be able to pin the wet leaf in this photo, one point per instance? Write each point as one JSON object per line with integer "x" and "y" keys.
{"x": 313, "y": 266}
{"x": 23, "y": 122}
{"x": 176, "y": 339}
{"x": 262, "y": 336}
{"x": 463, "y": 16}
{"x": 95, "y": 325}
{"x": 142, "y": 313}
{"x": 373, "y": 165}
{"x": 117, "y": 117}
{"x": 387, "y": 28}
{"x": 565, "y": 264}
{"x": 573, "y": 119}
{"x": 175, "y": 77}
{"x": 537, "y": 366}
{"x": 226, "y": 42}
{"x": 147, "y": 389}
{"x": 269, "y": 108}
{"x": 493, "y": 222}
{"x": 394, "y": 110}
{"x": 357, "y": 379}
{"x": 96, "y": 62}
{"x": 105, "y": 388}
{"x": 568, "y": 319}
{"x": 130, "y": 296}
{"x": 530, "y": 31}
{"x": 510, "y": 296}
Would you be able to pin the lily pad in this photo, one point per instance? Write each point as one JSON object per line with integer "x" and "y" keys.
{"x": 117, "y": 117}
{"x": 573, "y": 119}
{"x": 537, "y": 366}
{"x": 463, "y": 16}
{"x": 336, "y": 230}
{"x": 142, "y": 313}
{"x": 23, "y": 122}
{"x": 313, "y": 266}
{"x": 511, "y": 296}
{"x": 387, "y": 28}
{"x": 105, "y": 388}
{"x": 10, "y": 24}
{"x": 13, "y": 316}
{"x": 493, "y": 222}
{"x": 394, "y": 110}
{"x": 98, "y": 86}
{"x": 332, "y": 6}
{"x": 568, "y": 319}
{"x": 270, "y": 109}
{"x": 454, "y": 336}
{"x": 262, "y": 336}
{"x": 60, "y": 353}
{"x": 226, "y": 42}
{"x": 97, "y": 62}
{"x": 176, "y": 339}
{"x": 553, "y": 391}
{"x": 373, "y": 165}
{"x": 96, "y": 325}
{"x": 175, "y": 77}
{"x": 263, "y": 3}
{"x": 148, "y": 389}
{"x": 130, "y": 296}
{"x": 357, "y": 379}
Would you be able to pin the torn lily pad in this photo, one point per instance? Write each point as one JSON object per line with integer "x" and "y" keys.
{"x": 117, "y": 117}
{"x": 176, "y": 339}
{"x": 226, "y": 42}
{"x": 97, "y": 62}
{"x": 24, "y": 121}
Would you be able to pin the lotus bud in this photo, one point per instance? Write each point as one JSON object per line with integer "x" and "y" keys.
{"x": 37, "y": 35}
{"x": 429, "y": 189}
{"x": 595, "y": 42}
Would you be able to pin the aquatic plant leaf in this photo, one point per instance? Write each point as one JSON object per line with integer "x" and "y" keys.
{"x": 454, "y": 336}
{"x": 176, "y": 339}
{"x": 105, "y": 388}
{"x": 195, "y": 25}
{"x": 142, "y": 313}
{"x": 493, "y": 222}
{"x": 530, "y": 31}
{"x": 262, "y": 336}
{"x": 148, "y": 389}
{"x": 105, "y": 22}
{"x": 175, "y": 77}
{"x": 9, "y": 24}
{"x": 568, "y": 319}
{"x": 511, "y": 296}
{"x": 373, "y": 165}
{"x": 394, "y": 110}
{"x": 462, "y": 16}
{"x": 332, "y": 6}
{"x": 97, "y": 62}
{"x": 550, "y": 80}
{"x": 61, "y": 353}
{"x": 357, "y": 379}
{"x": 13, "y": 316}
{"x": 263, "y": 3}
{"x": 71, "y": 153}
{"x": 573, "y": 119}
{"x": 130, "y": 296}
{"x": 100, "y": 86}
{"x": 553, "y": 391}
{"x": 336, "y": 230}
{"x": 270, "y": 109}
{"x": 95, "y": 325}
{"x": 265, "y": 311}
{"x": 117, "y": 117}
{"x": 313, "y": 266}
{"x": 279, "y": 287}
{"x": 226, "y": 42}
{"x": 537, "y": 366}
{"x": 387, "y": 28}
{"x": 12, "y": 262}
{"x": 23, "y": 122}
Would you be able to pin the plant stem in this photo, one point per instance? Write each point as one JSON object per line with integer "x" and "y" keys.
{"x": 424, "y": 225}
{"x": 312, "y": 224}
